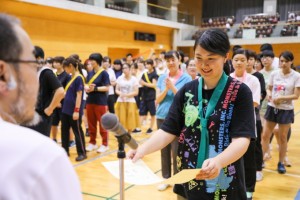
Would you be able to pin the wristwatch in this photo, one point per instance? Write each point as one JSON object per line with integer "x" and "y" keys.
{"x": 95, "y": 89}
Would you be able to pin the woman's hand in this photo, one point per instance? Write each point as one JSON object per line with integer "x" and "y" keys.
{"x": 277, "y": 101}
{"x": 75, "y": 115}
{"x": 134, "y": 155}
{"x": 210, "y": 169}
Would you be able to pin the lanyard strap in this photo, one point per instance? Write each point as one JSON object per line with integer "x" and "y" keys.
{"x": 95, "y": 76}
{"x": 72, "y": 80}
{"x": 146, "y": 77}
{"x": 203, "y": 148}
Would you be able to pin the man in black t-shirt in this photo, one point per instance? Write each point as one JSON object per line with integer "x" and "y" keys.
{"x": 50, "y": 94}
{"x": 148, "y": 81}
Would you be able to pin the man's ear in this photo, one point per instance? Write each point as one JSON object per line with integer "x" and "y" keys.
{"x": 3, "y": 78}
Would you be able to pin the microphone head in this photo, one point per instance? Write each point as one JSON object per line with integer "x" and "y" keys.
{"x": 109, "y": 121}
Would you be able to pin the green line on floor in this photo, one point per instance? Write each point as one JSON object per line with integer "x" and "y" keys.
{"x": 94, "y": 195}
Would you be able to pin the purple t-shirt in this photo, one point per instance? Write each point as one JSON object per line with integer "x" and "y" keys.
{"x": 70, "y": 97}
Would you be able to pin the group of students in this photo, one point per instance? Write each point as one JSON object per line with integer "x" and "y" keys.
{"x": 131, "y": 89}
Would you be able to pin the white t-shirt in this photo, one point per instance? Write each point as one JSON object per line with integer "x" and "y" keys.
{"x": 34, "y": 167}
{"x": 253, "y": 83}
{"x": 284, "y": 85}
{"x": 126, "y": 86}
{"x": 112, "y": 77}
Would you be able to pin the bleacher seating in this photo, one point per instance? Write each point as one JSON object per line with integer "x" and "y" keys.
{"x": 292, "y": 24}
{"x": 220, "y": 22}
{"x": 263, "y": 23}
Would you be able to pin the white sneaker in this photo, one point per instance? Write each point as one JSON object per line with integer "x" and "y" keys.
{"x": 259, "y": 176}
{"x": 162, "y": 187}
{"x": 91, "y": 147}
{"x": 102, "y": 149}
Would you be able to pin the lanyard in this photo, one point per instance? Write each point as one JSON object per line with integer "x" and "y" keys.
{"x": 72, "y": 80}
{"x": 95, "y": 76}
{"x": 204, "y": 148}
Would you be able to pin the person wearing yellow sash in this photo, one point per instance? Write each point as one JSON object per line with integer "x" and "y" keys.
{"x": 148, "y": 81}
{"x": 72, "y": 109}
{"x": 96, "y": 104}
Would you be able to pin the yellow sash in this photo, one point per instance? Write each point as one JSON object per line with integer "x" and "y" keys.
{"x": 95, "y": 76}
{"x": 147, "y": 78}
{"x": 72, "y": 80}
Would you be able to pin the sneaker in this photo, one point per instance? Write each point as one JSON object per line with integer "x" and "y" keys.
{"x": 55, "y": 140}
{"x": 249, "y": 195}
{"x": 149, "y": 130}
{"x": 87, "y": 134}
{"x": 259, "y": 175}
{"x": 136, "y": 130}
{"x": 72, "y": 143}
{"x": 286, "y": 162}
{"x": 102, "y": 149}
{"x": 162, "y": 187}
{"x": 80, "y": 157}
{"x": 91, "y": 147}
{"x": 280, "y": 168}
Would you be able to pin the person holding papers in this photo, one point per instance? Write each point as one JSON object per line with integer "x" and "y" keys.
{"x": 210, "y": 116}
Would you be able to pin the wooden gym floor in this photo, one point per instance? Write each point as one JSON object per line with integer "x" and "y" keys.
{"x": 97, "y": 183}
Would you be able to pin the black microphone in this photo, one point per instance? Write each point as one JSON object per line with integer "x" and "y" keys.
{"x": 111, "y": 123}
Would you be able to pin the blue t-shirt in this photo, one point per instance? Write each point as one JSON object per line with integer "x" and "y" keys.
{"x": 99, "y": 98}
{"x": 70, "y": 97}
{"x": 164, "y": 106}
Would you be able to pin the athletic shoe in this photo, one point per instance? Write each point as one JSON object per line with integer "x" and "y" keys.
{"x": 280, "y": 168}
{"x": 80, "y": 157}
{"x": 91, "y": 147}
{"x": 259, "y": 175}
{"x": 136, "y": 130}
{"x": 72, "y": 143}
{"x": 249, "y": 195}
{"x": 162, "y": 187}
{"x": 102, "y": 149}
{"x": 149, "y": 131}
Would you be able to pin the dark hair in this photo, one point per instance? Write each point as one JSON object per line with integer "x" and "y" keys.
{"x": 181, "y": 55}
{"x": 10, "y": 48}
{"x": 97, "y": 57}
{"x": 118, "y": 62}
{"x": 214, "y": 40}
{"x": 76, "y": 56}
{"x": 163, "y": 52}
{"x": 266, "y": 46}
{"x": 258, "y": 58}
{"x": 170, "y": 54}
{"x": 241, "y": 51}
{"x": 107, "y": 59}
{"x": 129, "y": 54}
{"x": 267, "y": 53}
{"x": 140, "y": 60}
{"x": 149, "y": 62}
{"x": 251, "y": 54}
{"x": 49, "y": 60}
{"x": 58, "y": 59}
{"x": 236, "y": 47}
{"x": 188, "y": 62}
{"x": 227, "y": 67}
{"x": 74, "y": 62}
{"x": 287, "y": 55}
{"x": 39, "y": 52}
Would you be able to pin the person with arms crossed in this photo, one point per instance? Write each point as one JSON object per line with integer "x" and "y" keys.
{"x": 216, "y": 140}
{"x": 32, "y": 166}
